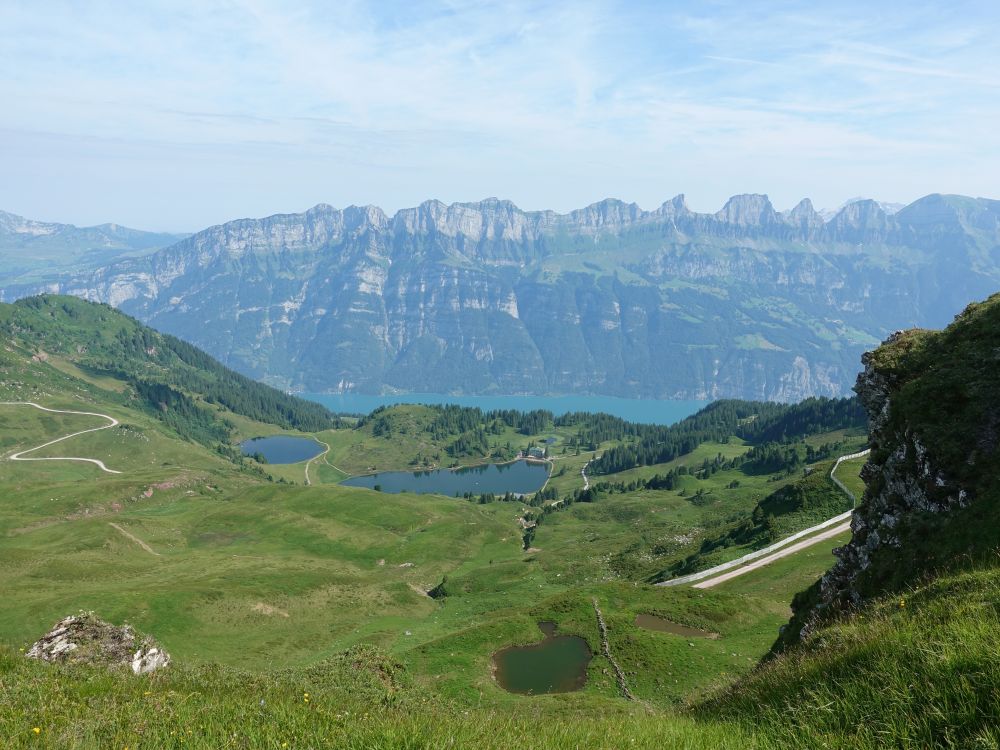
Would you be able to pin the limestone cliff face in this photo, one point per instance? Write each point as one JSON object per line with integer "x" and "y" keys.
{"x": 609, "y": 299}
{"x": 931, "y": 499}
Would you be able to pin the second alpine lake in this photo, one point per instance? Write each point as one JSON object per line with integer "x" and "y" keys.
{"x": 518, "y": 477}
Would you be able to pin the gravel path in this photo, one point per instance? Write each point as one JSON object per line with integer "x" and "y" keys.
{"x": 316, "y": 458}
{"x": 19, "y": 456}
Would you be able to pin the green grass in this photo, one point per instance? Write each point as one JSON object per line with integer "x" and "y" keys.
{"x": 358, "y": 701}
{"x": 257, "y": 576}
{"x": 264, "y": 592}
{"x": 918, "y": 670}
{"x": 792, "y": 574}
{"x": 849, "y": 472}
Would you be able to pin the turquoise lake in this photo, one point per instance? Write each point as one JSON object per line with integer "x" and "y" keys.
{"x": 647, "y": 411}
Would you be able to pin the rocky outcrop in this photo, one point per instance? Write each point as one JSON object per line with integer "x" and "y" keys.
{"x": 932, "y": 495}
{"x": 901, "y": 478}
{"x": 86, "y": 639}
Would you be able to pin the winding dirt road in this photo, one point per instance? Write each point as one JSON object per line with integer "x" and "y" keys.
{"x": 316, "y": 458}
{"x": 20, "y": 455}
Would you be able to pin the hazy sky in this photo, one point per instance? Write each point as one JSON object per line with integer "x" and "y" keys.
{"x": 178, "y": 115}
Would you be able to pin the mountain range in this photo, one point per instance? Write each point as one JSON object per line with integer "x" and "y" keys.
{"x": 748, "y": 302}
{"x": 33, "y": 251}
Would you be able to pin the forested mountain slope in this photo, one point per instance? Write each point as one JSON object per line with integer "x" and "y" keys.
{"x": 484, "y": 297}
{"x": 164, "y": 375}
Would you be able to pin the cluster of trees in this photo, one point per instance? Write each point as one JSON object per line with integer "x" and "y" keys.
{"x": 540, "y": 498}
{"x": 668, "y": 481}
{"x": 469, "y": 429}
{"x": 757, "y": 422}
{"x": 215, "y": 383}
{"x": 472, "y": 443}
{"x": 450, "y": 420}
{"x": 807, "y": 417}
{"x": 453, "y": 420}
{"x": 180, "y": 413}
{"x": 491, "y": 497}
{"x": 787, "y": 458}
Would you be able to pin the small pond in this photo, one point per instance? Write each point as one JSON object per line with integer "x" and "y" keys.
{"x": 282, "y": 449}
{"x": 659, "y": 624}
{"x": 558, "y": 664}
{"x": 519, "y": 477}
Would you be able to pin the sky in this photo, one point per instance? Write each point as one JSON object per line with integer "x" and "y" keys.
{"x": 173, "y": 116}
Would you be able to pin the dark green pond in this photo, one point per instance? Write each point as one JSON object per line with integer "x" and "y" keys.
{"x": 519, "y": 477}
{"x": 557, "y": 664}
{"x": 282, "y": 449}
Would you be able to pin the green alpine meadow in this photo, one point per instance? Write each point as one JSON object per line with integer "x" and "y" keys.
{"x": 297, "y": 610}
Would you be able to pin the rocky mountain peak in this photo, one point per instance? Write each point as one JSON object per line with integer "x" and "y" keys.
{"x": 361, "y": 218}
{"x": 609, "y": 212}
{"x": 749, "y": 209}
{"x": 865, "y": 214}
{"x": 804, "y": 215}
{"x": 675, "y": 207}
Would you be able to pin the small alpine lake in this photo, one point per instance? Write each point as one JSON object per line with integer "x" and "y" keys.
{"x": 662, "y": 625}
{"x": 519, "y": 477}
{"x": 557, "y": 664}
{"x": 282, "y": 449}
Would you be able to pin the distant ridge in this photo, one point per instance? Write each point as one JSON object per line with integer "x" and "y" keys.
{"x": 609, "y": 299}
{"x": 41, "y": 250}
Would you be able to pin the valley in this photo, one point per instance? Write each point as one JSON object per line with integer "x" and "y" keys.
{"x": 273, "y": 574}
{"x": 234, "y": 544}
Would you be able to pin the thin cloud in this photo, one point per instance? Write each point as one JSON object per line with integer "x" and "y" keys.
{"x": 245, "y": 106}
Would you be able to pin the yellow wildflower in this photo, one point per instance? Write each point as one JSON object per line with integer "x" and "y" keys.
{"x": 37, "y": 730}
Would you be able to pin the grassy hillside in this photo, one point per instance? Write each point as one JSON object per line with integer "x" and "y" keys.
{"x": 915, "y": 671}
{"x": 799, "y": 504}
{"x": 156, "y": 373}
{"x": 271, "y": 593}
